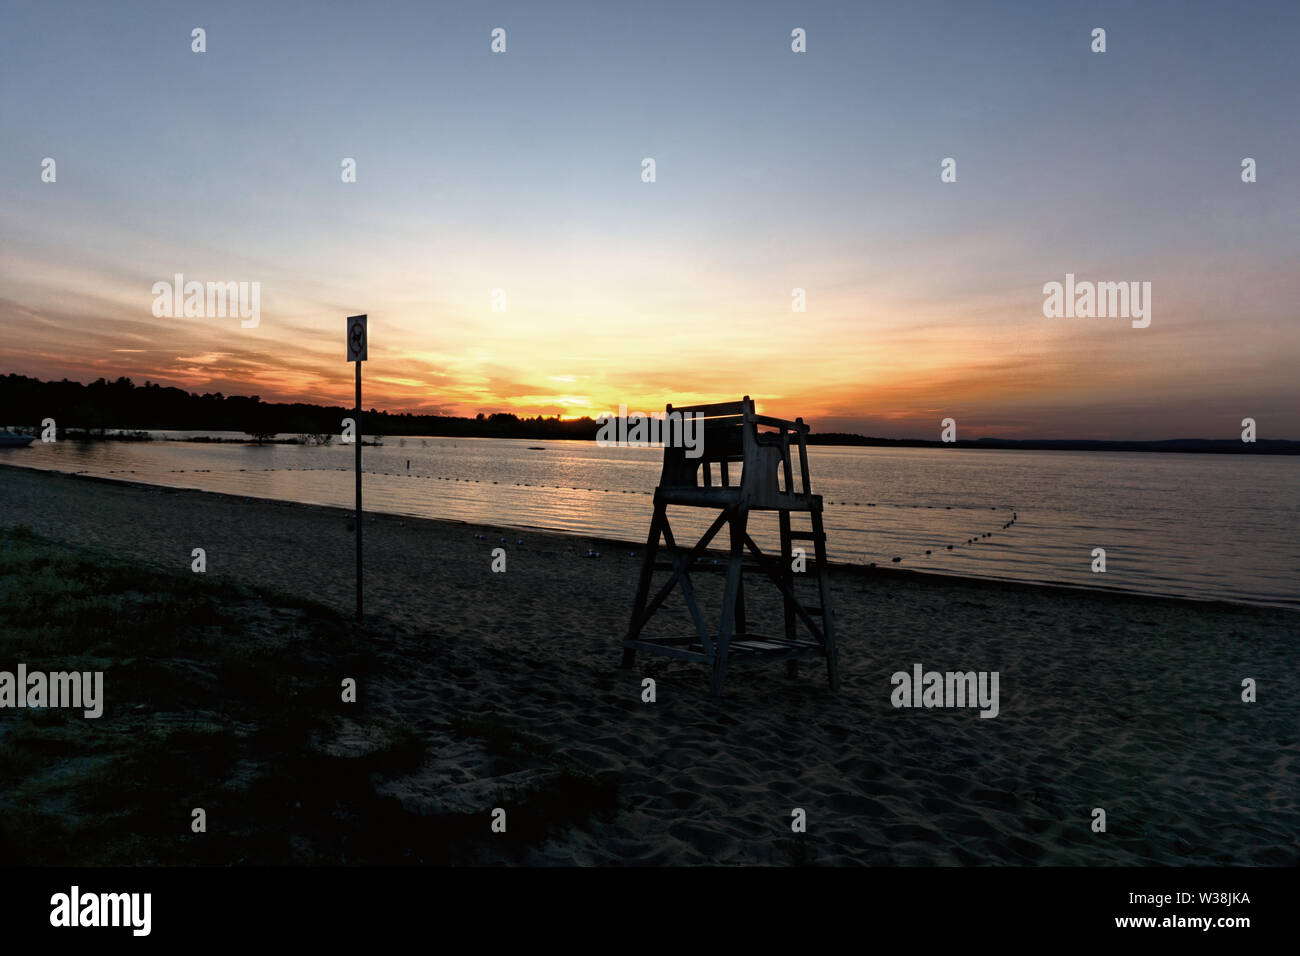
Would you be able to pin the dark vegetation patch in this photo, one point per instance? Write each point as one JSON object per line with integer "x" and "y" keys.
{"x": 225, "y": 697}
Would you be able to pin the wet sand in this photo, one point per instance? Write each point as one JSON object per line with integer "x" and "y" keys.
{"x": 1125, "y": 703}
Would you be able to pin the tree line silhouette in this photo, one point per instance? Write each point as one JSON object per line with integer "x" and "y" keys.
{"x": 105, "y": 405}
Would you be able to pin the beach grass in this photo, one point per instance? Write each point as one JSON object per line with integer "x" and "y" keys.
{"x": 224, "y": 697}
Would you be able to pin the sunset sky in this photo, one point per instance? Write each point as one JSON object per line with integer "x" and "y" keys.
{"x": 775, "y": 170}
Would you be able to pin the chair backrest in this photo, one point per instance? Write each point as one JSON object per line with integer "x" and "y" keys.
{"x": 731, "y": 435}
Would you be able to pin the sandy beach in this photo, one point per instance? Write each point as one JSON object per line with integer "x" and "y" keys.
{"x": 1125, "y": 703}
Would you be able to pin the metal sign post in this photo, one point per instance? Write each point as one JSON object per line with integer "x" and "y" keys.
{"x": 357, "y": 348}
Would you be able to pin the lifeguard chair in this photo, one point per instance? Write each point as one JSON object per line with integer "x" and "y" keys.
{"x": 732, "y": 436}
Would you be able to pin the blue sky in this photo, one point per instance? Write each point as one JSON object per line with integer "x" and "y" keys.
{"x": 775, "y": 170}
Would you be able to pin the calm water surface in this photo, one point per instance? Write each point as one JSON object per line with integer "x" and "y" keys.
{"x": 1205, "y": 526}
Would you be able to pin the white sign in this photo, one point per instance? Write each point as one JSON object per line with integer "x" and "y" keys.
{"x": 356, "y": 338}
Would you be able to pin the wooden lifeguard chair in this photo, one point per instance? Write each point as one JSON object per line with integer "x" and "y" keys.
{"x": 731, "y": 436}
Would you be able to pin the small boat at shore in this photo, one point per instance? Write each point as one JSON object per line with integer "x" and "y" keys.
{"x": 10, "y": 440}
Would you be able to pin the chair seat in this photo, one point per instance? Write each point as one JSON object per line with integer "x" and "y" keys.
{"x": 725, "y": 497}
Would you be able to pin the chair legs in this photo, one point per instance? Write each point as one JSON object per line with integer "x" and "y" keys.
{"x": 643, "y": 583}
{"x": 824, "y": 587}
{"x": 733, "y": 619}
{"x": 731, "y": 600}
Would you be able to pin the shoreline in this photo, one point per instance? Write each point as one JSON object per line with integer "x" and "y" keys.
{"x": 1179, "y": 446}
{"x": 1130, "y": 703}
{"x": 884, "y": 573}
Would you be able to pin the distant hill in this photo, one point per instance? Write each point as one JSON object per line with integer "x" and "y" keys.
{"x": 1262, "y": 446}
{"x": 121, "y": 404}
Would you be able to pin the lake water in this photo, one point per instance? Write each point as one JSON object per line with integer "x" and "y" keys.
{"x": 1203, "y": 526}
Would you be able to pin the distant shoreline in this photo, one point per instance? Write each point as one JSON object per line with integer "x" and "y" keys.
{"x": 1183, "y": 446}
{"x": 91, "y": 408}
{"x": 1210, "y": 446}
